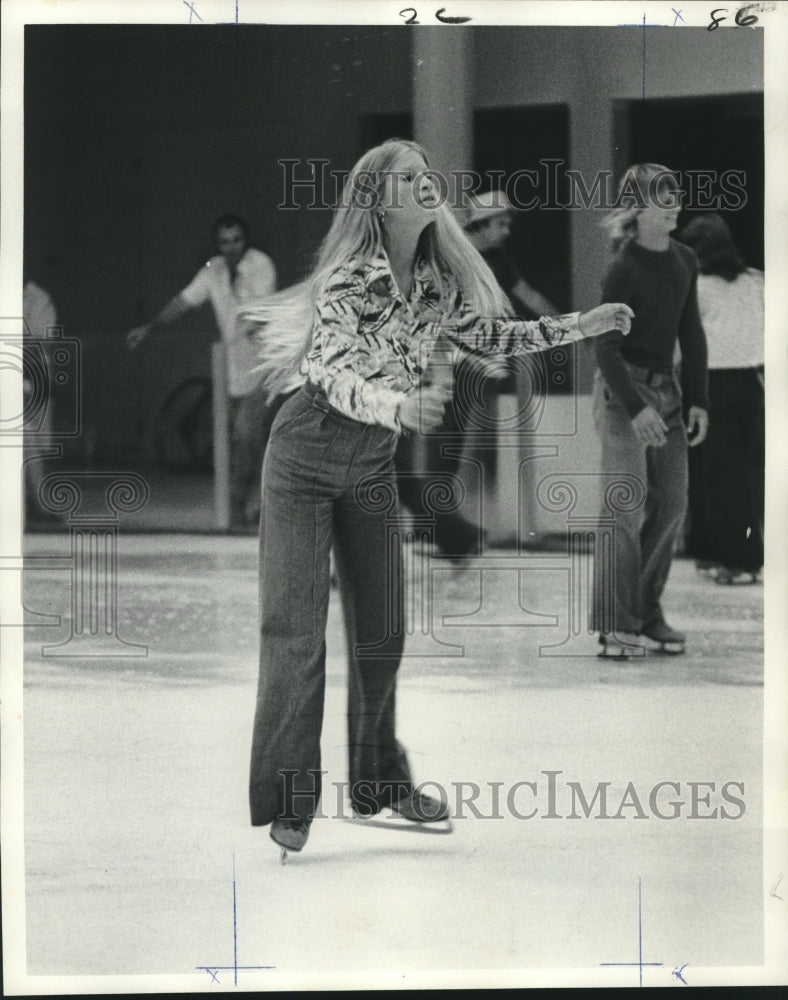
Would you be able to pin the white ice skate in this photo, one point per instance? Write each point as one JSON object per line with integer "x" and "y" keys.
{"x": 735, "y": 577}
{"x": 290, "y": 835}
{"x": 620, "y": 645}
{"x": 414, "y": 813}
{"x": 661, "y": 638}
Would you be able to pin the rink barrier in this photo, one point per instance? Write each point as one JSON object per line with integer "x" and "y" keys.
{"x": 221, "y": 436}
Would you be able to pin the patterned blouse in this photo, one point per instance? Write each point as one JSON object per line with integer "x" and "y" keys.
{"x": 371, "y": 346}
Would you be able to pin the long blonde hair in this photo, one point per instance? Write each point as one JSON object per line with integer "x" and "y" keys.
{"x": 637, "y": 187}
{"x": 284, "y": 324}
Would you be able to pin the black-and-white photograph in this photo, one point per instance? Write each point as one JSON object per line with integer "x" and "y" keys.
{"x": 393, "y": 544}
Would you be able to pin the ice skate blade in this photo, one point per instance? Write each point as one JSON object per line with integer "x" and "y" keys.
{"x": 441, "y": 826}
{"x": 621, "y": 652}
{"x": 620, "y": 655}
{"x": 665, "y": 648}
{"x": 283, "y": 856}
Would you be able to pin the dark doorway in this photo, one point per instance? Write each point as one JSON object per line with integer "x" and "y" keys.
{"x": 722, "y": 137}
{"x": 375, "y": 129}
{"x": 510, "y": 140}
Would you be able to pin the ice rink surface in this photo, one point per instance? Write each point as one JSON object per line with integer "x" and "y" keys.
{"x": 140, "y": 860}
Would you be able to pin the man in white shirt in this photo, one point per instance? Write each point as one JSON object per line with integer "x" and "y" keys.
{"x": 238, "y": 274}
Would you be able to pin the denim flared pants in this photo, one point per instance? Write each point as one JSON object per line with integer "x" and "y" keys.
{"x": 628, "y": 593}
{"x": 328, "y": 481}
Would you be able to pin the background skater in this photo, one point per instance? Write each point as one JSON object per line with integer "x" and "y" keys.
{"x": 726, "y": 493}
{"x": 236, "y": 275}
{"x": 640, "y": 409}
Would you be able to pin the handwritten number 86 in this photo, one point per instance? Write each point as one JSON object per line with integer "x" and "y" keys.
{"x": 742, "y": 18}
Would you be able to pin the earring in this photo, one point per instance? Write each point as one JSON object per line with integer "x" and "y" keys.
{"x": 381, "y": 215}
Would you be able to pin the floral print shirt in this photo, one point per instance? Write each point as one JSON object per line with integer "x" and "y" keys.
{"x": 371, "y": 346}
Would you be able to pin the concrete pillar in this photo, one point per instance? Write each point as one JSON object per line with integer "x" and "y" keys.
{"x": 221, "y": 437}
{"x": 443, "y": 85}
{"x": 591, "y": 151}
{"x": 571, "y": 416}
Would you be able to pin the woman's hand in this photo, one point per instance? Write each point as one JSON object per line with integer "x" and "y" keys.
{"x": 609, "y": 316}
{"x": 422, "y": 410}
{"x": 136, "y": 336}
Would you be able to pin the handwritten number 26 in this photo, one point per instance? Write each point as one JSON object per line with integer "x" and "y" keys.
{"x": 440, "y": 15}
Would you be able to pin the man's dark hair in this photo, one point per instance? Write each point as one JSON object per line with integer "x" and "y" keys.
{"x": 228, "y": 221}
